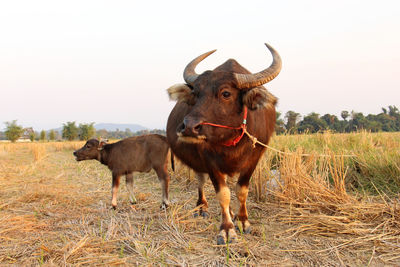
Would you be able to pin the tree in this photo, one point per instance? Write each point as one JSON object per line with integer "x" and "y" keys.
{"x": 387, "y": 123}
{"x": 358, "y": 121}
{"x": 128, "y": 132}
{"x": 312, "y": 123}
{"x": 291, "y": 121}
{"x": 389, "y": 119}
{"x": 13, "y": 131}
{"x": 52, "y": 135}
{"x": 30, "y": 133}
{"x": 86, "y": 131}
{"x": 32, "y": 136}
{"x": 342, "y": 126}
{"x": 344, "y": 114}
{"x": 280, "y": 124}
{"x": 374, "y": 126}
{"x": 393, "y": 111}
{"x": 330, "y": 119}
{"x": 332, "y": 122}
{"x": 70, "y": 131}
{"x": 43, "y": 135}
{"x": 103, "y": 133}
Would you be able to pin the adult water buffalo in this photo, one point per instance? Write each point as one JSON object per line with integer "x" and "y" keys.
{"x": 206, "y": 129}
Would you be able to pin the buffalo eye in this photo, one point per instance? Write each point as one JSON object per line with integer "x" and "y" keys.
{"x": 88, "y": 146}
{"x": 226, "y": 94}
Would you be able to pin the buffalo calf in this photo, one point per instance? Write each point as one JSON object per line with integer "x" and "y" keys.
{"x": 134, "y": 154}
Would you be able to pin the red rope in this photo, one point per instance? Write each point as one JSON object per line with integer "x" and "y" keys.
{"x": 242, "y": 127}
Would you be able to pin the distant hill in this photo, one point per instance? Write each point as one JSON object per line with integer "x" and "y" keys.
{"x": 121, "y": 127}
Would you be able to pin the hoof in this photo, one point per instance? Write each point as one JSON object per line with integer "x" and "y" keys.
{"x": 246, "y": 231}
{"x": 222, "y": 237}
{"x": 245, "y": 227}
{"x": 164, "y": 206}
{"x": 203, "y": 214}
{"x": 114, "y": 207}
{"x": 220, "y": 240}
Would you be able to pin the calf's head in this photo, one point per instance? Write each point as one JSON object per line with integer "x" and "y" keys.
{"x": 91, "y": 150}
{"x": 219, "y": 96}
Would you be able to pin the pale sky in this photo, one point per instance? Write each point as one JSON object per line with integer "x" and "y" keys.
{"x": 112, "y": 61}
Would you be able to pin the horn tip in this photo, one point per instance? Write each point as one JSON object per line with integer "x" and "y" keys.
{"x": 268, "y": 46}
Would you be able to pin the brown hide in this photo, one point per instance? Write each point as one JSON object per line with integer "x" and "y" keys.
{"x": 218, "y": 97}
{"x": 134, "y": 154}
{"x": 203, "y": 156}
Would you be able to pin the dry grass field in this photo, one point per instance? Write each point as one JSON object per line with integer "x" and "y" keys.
{"x": 327, "y": 209}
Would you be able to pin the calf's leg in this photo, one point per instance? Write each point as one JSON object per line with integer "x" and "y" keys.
{"x": 129, "y": 185}
{"x": 114, "y": 189}
{"x": 163, "y": 177}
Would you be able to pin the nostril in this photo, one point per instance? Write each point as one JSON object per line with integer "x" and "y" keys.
{"x": 197, "y": 128}
{"x": 74, "y": 153}
{"x": 190, "y": 126}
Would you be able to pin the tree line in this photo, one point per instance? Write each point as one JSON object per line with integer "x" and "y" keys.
{"x": 86, "y": 131}
{"x": 386, "y": 121}
{"x": 70, "y": 131}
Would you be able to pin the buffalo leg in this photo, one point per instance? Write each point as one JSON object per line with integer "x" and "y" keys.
{"x": 242, "y": 190}
{"x": 227, "y": 232}
{"x": 129, "y": 185}
{"x": 114, "y": 190}
{"x": 202, "y": 201}
{"x": 241, "y": 193}
{"x": 163, "y": 177}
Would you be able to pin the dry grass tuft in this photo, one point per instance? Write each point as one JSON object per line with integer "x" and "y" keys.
{"x": 313, "y": 179}
{"x": 312, "y": 191}
{"x": 38, "y": 151}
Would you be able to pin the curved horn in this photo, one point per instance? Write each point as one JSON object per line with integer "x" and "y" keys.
{"x": 248, "y": 81}
{"x": 189, "y": 74}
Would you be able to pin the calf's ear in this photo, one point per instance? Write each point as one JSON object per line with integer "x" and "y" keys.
{"x": 259, "y": 98}
{"x": 182, "y": 93}
{"x": 102, "y": 142}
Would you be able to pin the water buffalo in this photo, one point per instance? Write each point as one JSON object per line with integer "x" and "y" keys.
{"x": 206, "y": 129}
{"x": 134, "y": 154}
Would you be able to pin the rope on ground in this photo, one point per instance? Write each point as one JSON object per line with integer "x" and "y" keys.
{"x": 255, "y": 141}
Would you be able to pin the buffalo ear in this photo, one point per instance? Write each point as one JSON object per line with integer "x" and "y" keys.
{"x": 181, "y": 92}
{"x": 259, "y": 98}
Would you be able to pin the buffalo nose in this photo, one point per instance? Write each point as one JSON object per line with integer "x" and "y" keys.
{"x": 190, "y": 127}
{"x": 74, "y": 153}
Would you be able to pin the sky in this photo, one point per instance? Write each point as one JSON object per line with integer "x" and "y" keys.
{"x": 112, "y": 61}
